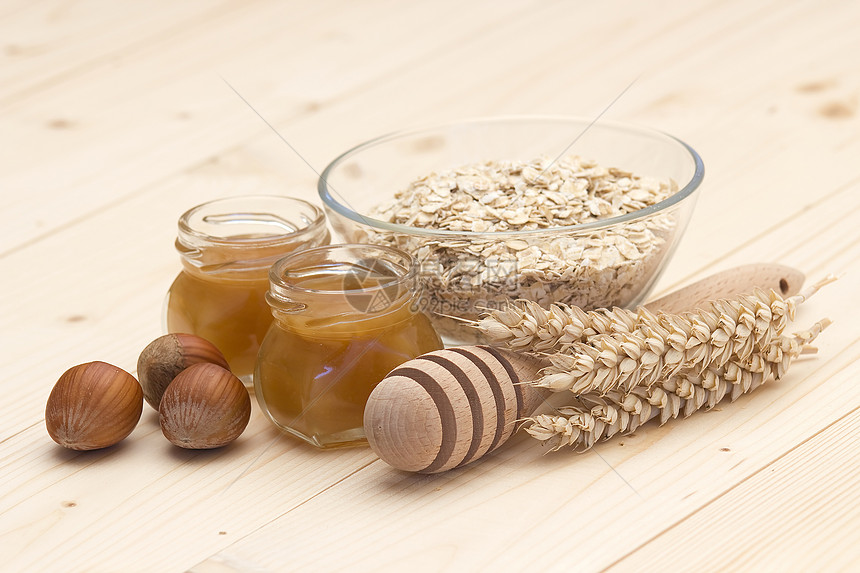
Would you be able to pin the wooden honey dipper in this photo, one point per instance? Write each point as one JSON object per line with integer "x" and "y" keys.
{"x": 449, "y": 407}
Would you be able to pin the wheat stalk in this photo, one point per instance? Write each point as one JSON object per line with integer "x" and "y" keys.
{"x": 525, "y": 325}
{"x": 625, "y": 367}
{"x": 598, "y": 351}
{"x": 593, "y": 417}
{"x": 625, "y": 361}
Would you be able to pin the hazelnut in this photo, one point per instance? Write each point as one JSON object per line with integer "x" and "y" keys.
{"x": 92, "y": 406}
{"x": 167, "y": 356}
{"x": 204, "y": 407}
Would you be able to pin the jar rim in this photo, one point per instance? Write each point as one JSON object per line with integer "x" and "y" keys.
{"x": 404, "y": 266}
{"x": 260, "y": 210}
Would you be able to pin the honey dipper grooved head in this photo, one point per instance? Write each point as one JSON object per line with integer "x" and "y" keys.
{"x": 448, "y": 407}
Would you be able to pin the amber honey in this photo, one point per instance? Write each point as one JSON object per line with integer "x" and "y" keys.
{"x": 344, "y": 319}
{"x": 233, "y": 315}
{"x": 227, "y": 248}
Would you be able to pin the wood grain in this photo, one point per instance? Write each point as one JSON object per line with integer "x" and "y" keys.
{"x": 787, "y": 494}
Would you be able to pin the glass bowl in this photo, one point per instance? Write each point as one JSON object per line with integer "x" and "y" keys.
{"x": 609, "y": 262}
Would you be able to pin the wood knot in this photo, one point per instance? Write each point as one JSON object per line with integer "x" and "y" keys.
{"x": 814, "y": 86}
{"x": 60, "y": 123}
{"x": 837, "y": 110}
{"x": 429, "y": 143}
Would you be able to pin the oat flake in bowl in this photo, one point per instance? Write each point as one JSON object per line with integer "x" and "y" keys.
{"x": 491, "y": 228}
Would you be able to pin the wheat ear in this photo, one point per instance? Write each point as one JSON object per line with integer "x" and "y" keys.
{"x": 594, "y": 417}
{"x": 746, "y": 330}
{"x": 526, "y": 326}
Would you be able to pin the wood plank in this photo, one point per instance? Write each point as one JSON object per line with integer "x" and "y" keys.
{"x": 801, "y": 507}
{"x": 76, "y": 144}
{"x": 48, "y": 42}
{"x": 146, "y": 505}
{"x": 818, "y": 239}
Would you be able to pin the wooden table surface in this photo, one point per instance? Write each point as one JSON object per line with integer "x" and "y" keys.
{"x": 118, "y": 116}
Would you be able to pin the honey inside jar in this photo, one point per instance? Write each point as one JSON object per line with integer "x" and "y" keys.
{"x": 345, "y": 317}
{"x": 227, "y": 248}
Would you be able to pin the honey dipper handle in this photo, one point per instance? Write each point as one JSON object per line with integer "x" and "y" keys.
{"x": 738, "y": 280}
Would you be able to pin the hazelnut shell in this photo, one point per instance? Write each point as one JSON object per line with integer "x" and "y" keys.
{"x": 92, "y": 406}
{"x": 167, "y": 356}
{"x": 204, "y": 407}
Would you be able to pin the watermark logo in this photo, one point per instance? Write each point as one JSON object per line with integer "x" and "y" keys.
{"x": 371, "y": 286}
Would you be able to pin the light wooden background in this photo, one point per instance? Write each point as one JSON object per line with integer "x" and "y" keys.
{"x": 117, "y": 116}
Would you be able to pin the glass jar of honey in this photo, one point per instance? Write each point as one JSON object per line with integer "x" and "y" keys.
{"x": 345, "y": 316}
{"x": 227, "y": 247}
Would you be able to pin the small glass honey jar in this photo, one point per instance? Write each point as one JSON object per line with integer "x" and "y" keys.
{"x": 345, "y": 316}
{"x": 227, "y": 247}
